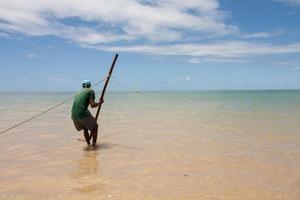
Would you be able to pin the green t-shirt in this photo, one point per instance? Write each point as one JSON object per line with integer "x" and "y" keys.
{"x": 81, "y": 103}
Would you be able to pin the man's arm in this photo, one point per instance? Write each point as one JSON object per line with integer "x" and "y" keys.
{"x": 94, "y": 104}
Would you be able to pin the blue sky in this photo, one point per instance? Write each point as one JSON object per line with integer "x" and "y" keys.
{"x": 52, "y": 45}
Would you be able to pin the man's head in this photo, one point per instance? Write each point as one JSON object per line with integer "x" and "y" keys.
{"x": 86, "y": 84}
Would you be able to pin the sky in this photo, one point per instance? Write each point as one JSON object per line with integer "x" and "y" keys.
{"x": 52, "y": 45}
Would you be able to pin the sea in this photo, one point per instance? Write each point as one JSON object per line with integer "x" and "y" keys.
{"x": 223, "y": 145}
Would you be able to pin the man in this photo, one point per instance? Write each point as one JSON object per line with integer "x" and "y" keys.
{"x": 82, "y": 118}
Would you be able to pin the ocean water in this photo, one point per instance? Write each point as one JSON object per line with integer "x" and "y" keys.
{"x": 154, "y": 145}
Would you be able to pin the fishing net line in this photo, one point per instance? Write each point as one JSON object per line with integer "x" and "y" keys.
{"x": 49, "y": 124}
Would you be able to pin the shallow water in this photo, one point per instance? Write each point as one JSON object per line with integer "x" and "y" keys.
{"x": 156, "y": 145}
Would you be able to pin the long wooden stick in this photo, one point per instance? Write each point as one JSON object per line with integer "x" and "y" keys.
{"x": 106, "y": 83}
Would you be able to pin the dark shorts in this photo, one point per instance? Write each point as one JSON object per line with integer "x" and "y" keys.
{"x": 87, "y": 122}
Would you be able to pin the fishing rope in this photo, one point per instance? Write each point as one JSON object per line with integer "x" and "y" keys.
{"x": 169, "y": 102}
{"x": 122, "y": 85}
{"x": 45, "y": 111}
{"x": 70, "y": 98}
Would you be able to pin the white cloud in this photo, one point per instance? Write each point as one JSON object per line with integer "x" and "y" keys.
{"x": 291, "y": 12}
{"x": 162, "y": 20}
{"x": 228, "y": 49}
{"x": 218, "y": 60}
{"x": 289, "y": 63}
{"x": 4, "y": 35}
{"x": 160, "y": 27}
{"x": 180, "y": 79}
{"x": 188, "y": 78}
{"x": 261, "y": 34}
{"x": 31, "y": 56}
{"x": 195, "y": 60}
{"x": 290, "y": 2}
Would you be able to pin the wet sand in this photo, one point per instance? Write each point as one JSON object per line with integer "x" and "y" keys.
{"x": 153, "y": 151}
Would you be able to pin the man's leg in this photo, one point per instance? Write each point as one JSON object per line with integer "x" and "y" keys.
{"x": 86, "y": 135}
{"x": 94, "y": 135}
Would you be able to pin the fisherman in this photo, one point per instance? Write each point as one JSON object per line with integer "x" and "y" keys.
{"x": 82, "y": 118}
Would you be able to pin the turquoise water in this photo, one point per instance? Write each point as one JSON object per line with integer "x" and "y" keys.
{"x": 279, "y": 108}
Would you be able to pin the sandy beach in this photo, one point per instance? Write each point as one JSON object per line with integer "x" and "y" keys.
{"x": 162, "y": 146}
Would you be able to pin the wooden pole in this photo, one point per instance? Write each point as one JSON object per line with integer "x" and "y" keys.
{"x": 106, "y": 83}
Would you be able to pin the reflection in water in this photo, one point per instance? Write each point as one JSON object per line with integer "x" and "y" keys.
{"x": 87, "y": 165}
{"x": 87, "y": 173}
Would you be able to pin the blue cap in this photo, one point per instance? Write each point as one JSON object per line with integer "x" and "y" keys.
{"x": 86, "y": 84}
